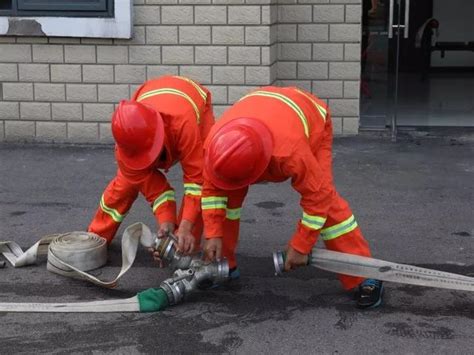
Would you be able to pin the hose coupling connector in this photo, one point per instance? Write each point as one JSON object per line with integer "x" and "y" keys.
{"x": 279, "y": 262}
{"x": 279, "y": 258}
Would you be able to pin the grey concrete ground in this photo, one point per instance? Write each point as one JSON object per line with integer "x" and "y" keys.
{"x": 413, "y": 200}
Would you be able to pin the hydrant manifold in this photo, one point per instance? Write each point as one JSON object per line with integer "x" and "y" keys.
{"x": 189, "y": 270}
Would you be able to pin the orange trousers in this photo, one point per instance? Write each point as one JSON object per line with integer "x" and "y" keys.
{"x": 120, "y": 196}
{"x": 352, "y": 242}
{"x": 340, "y": 232}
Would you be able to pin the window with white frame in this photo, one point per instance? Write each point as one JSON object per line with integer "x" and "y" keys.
{"x": 70, "y": 8}
{"x": 66, "y": 18}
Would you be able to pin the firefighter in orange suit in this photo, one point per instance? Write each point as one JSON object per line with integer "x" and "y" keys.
{"x": 166, "y": 121}
{"x": 274, "y": 134}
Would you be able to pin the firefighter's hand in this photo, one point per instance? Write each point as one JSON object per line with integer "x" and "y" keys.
{"x": 212, "y": 249}
{"x": 165, "y": 228}
{"x": 156, "y": 256}
{"x": 185, "y": 238}
{"x": 294, "y": 259}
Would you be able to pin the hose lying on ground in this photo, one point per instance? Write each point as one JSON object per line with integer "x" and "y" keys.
{"x": 73, "y": 254}
{"x": 362, "y": 266}
{"x": 151, "y": 300}
{"x": 189, "y": 272}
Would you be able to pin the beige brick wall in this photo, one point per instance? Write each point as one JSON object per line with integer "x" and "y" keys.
{"x": 319, "y": 50}
{"x": 65, "y": 89}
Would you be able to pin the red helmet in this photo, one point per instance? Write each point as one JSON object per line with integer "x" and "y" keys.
{"x": 238, "y": 153}
{"x": 139, "y": 134}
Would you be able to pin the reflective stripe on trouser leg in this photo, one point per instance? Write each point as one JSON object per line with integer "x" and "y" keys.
{"x": 214, "y": 202}
{"x": 346, "y": 237}
{"x": 341, "y": 233}
{"x": 108, "y": 218}
{"x": 233, "y": 213}
{"x": 339, "y": 229}
{"x": 113, "y": 213}
{"x": 192, "y": 189}
{"x": 350, "y": 243}
{"x": 313, "y": 222}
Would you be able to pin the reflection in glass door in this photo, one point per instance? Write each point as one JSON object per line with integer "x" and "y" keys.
{"x": 436, "y": 73}
{"x": 376, "y": 78}
{"x": 417, "y": 63}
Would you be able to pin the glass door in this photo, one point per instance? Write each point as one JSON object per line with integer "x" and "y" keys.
{"x": 377, "y": 58}
{"x": 417, "y": 64}
{"x": 436, "y": 64}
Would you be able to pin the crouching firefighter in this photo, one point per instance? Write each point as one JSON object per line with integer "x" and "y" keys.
{"x": 166, "y": 121}
{"x": 274, "y": 134}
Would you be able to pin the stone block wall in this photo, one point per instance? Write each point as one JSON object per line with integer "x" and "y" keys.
{"x": 319, "y": 50}
{"x": 65, "y": 89}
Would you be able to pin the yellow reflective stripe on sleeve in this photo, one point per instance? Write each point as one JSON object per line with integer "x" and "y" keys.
{"x": 196, "y": 86}
{"x": 172, "y": 91}
{"x": 320, "y": 108}
{"x": 113, "y": 213}
{"x": 339, "y": 229}
{"x": 322, "y": 111}
{"x": 233, "y": 213}
{"x": 192, "y": 189}
{"x": 164, "y": 197}
{"x": 213, "y": 202}
{"x": 313, "y": 222}
{"x": 286, "y": 100}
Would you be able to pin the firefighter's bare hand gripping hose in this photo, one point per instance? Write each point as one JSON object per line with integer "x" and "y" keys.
{"x": 189, "y": 271}
{"x": 361, "y": 266}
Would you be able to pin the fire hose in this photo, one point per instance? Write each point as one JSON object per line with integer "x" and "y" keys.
{"x": 73, "y": 254}
{"x": 189, "y": 271}
{"x": 362, "y": 266}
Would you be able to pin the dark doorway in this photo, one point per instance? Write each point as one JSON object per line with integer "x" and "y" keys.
{"x": 417, "y": 63}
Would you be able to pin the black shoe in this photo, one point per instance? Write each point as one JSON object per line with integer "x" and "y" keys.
{"x": 369, "y": 294}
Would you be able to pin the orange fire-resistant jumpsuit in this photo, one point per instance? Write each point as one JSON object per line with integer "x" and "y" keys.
{"x": 302, "y": 132}
{"x": 185, "y": 107}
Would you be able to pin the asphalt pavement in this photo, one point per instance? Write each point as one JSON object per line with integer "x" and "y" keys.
{"x": 413, "y": 200}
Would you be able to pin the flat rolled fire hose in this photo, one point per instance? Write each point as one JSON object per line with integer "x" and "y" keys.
{"x": 73, "y": 254}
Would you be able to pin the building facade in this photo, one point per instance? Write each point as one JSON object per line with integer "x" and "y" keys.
{"x": 59, "y": 84}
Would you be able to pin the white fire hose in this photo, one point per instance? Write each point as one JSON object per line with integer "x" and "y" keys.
{"x": 362, "y": 266}
{"x": 72, "y": 254}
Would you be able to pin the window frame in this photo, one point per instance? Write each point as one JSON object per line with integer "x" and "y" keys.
{"x": 118, "y": 26}
{"x": 23, "y": 8}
